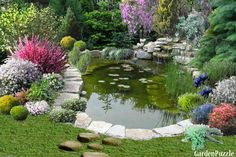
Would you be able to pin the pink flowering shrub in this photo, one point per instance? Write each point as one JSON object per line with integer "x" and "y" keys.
{"x": 37, "y": 108}
{"x": 48, "y": 56}
{"x": 223, "y": 117}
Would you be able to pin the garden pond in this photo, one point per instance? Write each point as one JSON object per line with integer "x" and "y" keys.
{"x": 129, "y": 93}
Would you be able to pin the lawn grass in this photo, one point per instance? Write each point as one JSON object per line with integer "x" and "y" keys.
{"x": 38, "y": 137}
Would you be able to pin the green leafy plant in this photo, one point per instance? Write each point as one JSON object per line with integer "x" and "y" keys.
{"x": 62, "y": 115}
{"x": 67, "y": 42}
{"x": 41, "y": 91}
{"x": 75, "y": 105}
{"x": 7, "y": 102}
{"x": 189, "y": 101}
{"x": 74, "y": 55}
{"x": 19, "y": 112}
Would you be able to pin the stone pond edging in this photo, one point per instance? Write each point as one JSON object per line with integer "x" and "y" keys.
{"x": 72, "y": 89}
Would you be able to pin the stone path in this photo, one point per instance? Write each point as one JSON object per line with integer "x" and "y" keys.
{"x": 72, "y": 87}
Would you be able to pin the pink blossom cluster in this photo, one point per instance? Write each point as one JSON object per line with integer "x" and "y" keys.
{"x": 138, "y": 14}
{"x": 37, "y": 108}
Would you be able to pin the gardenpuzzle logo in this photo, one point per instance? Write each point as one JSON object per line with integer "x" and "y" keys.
{"x": 215, "y": 153}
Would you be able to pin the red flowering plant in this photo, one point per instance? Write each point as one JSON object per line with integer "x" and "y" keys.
{"x": 223, "y": 117}
{"x": 47, "y": 55}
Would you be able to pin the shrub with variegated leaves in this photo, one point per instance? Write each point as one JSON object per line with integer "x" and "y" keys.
{"x": 47, "y": 55}
{"x": 17, "y": 75}
{"x": 225, "y": 91}
{"x": 37, "y": 108}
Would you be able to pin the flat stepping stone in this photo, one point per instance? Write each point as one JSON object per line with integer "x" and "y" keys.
{"x": 116, "y": 131}
{"x": 72, "y": 86}
{"x": 65, "y": 96}
{"x": 95, "y": 146}
{"x": 69, "y": 74}
{"x": 70, "y": 146}
{"x": 171, "y": 130}
{"x": 82, "y": 120}
{"x": 111, "y": 141}
{"x": 94, "y": 154}
{"x": 185, "y": 123}
{"x": 99, "y": 126}
{"x": 87, "y": 137}
{"x": 140, "y": 134}
{"x": 73, "y": 79}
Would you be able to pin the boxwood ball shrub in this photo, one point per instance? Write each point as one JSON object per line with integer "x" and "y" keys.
{"x": 37, "y": 108}
{"x": 67, "y": 42}
{"x": 80, "y": 44}
{"x": 223, "y": 117}
{"x": 225, "y": 91}
{"x": 201, "y": 113}
{"x": 16, "y": 75}
{"x": 19, "y": 112}
{"x": 48, "y": 56}
{"x": 7, "y": 102}
{"x": 189, "y": 101}
{"x": 75, "y": 105}
{"x": 62, "y": 115}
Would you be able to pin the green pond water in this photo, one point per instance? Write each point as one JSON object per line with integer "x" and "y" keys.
{"x": 129, "y": 95}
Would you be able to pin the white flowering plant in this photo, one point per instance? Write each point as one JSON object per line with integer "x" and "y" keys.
{"x": 62, "y": 115}
{"x": 17, "y": 75}
{"x": 55, "y": 81}
{"x": 225, "y": 91}
{"x": 37, "y": 108}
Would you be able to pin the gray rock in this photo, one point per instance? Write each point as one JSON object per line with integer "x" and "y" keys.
{"x": 185, "y": 123}
{"x": 196, "y": 73}
{"x": 140, "y": 134}
{"x": 88, "y": 137}
{"x": 82, "y": 120}
{"x": 70, "y": 146}
{"x": 169, "y": 131}
{"x": 140, "y": 54}
{"x": 183, "y": 60}
{"x": 116, "y": 131}
{"x": 95, "y": 53}
{"x": 72, "y": 87}
{"x": 99, "y": 126}
{"x": 95, "y": 146}
{"x": 111, "y": 141}
{"x": 94, "y": 154}
{"x": 69, "y": 74}
{"x": 83, "y": 92}
{"x": 73, "y": 79}
{"x": 143, "y": 40}
{"x": 65, "y": 96}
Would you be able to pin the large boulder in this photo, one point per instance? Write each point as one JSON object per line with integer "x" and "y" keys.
{"x": 141, "y": 54}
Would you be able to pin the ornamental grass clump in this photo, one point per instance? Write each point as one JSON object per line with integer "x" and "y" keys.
{"x": 225, "y": 91}
{"x": 17, "y": 75}
{"x": 201, "y": 113}
{"x": 48, "y": 56}
{"x": 37, "y": 108}
{"x": 189, "y": 101}
{"x": 223, "y": 117}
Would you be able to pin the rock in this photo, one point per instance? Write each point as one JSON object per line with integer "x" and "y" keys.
{"x": 94, "y": 154}
{"x": 65, "y": 96}
{"x": 140, "y": 54}
{"x": 77, "y": 78}
{"x": 95, "y": 146}
{"x": 182, "y": 59}
{"x": 82, "y": 120}
{"x": 143, "y": 40}
{"x": 149, "y": 47}
{"x": 88, "y": 137}
{"x": 101, "y": 81}
{"x": 116, "y": 131}
{"x": 70, "y": 146}
{"x": 185, "y": 123}
{"x": 111, "y": 141}
{"x": 196, "y": 73}
{"x": 169, "y": 131}
{"x": 83, "y": 92}
{"x": 99, "y": 126}
{"x": 95, "y": 53}
{"x": 140, "y": 134}
{"x": 72, "y": 87}
{"x": 69, "y": 74}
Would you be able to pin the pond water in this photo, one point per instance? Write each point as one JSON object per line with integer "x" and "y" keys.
{"x": 129, "y": 95}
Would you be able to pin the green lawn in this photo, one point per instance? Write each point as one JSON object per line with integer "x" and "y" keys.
{"x": 38, "y": 137}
